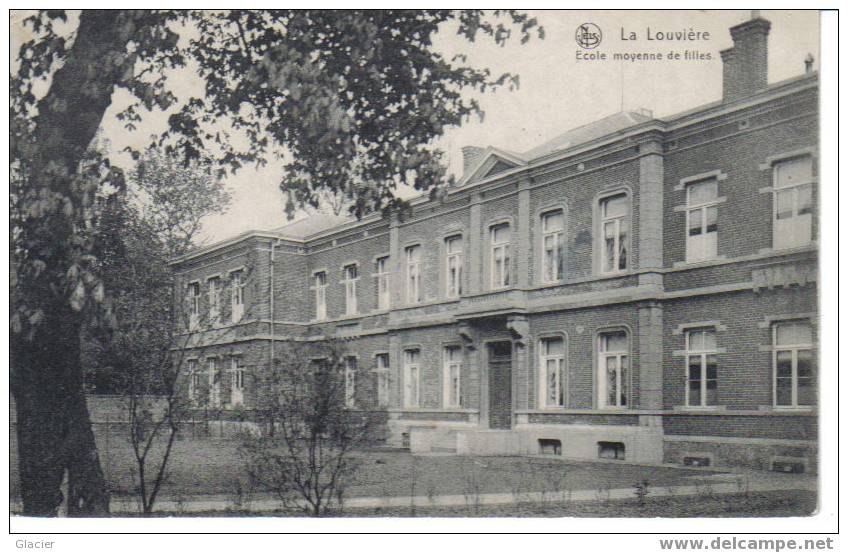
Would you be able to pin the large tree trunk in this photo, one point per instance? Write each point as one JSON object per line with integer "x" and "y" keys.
{"x": 54, "y": 429}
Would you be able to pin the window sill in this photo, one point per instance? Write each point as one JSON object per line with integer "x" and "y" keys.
{"x": 700, "y": 262}
{"x": 431, "y": 410}
{"x": 812, "y": 246}
{"x": 700, "y": 409}
{"x": 789, "y": 408}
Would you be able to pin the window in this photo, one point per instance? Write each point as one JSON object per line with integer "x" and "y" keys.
{"x": 236, "y": 382}
{"x": 350, "y": 380}
{"x": 214, "y": 382}
{"x": 553, "y": 254}
{"x": 194, "y": 305}
{"x": 382, "y": 379}
{"x": 413, "y": 274}
{"x": 614, "y": 224}
{"x": 382, "y": 283}
{"x": 613, "y": 369}
{"x": 552, "y": 371}
{"x": 411, "y": 375}
{"x": 701, "y": 368}
{"x": 214, "y": 298}
{"x": 351, "y": 275}
{"x": 237, "y": 297}
{"x": 793, "y": 202}
{"x": 611, "y": 450}
{"x": 452, "y": 392}
{"x": 499, "y": 238}
{"x": 794, "y": 366}
{"x": 701, "y": 220}
{"x": 453, "y": 263}
{"x": 320, "y": 295}
{"x": 193, "y": 379}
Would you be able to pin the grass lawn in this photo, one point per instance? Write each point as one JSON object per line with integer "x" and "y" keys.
{"x": 755, "y": 504}
{"x": 203, "y": 466}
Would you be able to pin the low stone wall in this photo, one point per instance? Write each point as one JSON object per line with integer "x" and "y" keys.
{"x": 105, "y": 408}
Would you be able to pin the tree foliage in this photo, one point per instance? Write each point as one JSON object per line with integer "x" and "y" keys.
{"x": 350, "y": 102}
{"x": 155, "y": 218}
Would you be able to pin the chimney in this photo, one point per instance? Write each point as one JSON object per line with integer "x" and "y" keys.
{"x": 745, "y": 65}
{"x": 470, "y": 156}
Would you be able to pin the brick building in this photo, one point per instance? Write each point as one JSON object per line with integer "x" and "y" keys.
{"x": 637, "y": 288}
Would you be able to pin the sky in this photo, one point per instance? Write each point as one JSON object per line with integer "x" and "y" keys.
{"x": 556, "y": 92}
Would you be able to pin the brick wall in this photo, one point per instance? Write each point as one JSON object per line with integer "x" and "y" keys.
{"x": 744, "y": 370}
{"x": 736, "y": 145}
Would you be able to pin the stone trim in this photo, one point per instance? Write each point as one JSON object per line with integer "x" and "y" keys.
{"x": 432, "y": 410}
{"x": 766, "y": 322}
{"x": 771, "y": 160}
{"x": 740, "y": 441}
{"x": 718, "y": 174}
{"x": 682, "y": 327}
{"x": 685, "y": 409}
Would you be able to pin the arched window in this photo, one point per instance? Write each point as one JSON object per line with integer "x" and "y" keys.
{"x": 613, "y": 369}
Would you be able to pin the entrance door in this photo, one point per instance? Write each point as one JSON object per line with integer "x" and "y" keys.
{"x": 500, "y": 385}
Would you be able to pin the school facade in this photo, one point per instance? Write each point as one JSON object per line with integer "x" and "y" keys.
{"x": 638, "y": 288}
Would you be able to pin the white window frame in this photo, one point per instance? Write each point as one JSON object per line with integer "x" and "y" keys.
{"x": 236, "y": 295}
{"x": 411, "y": 377}
{"x": 320, "y": 294}
{"x": 779, "y": 235}
{"x": 382, "y": 363}
{"x": 194, "y": 293}
{"x": 193, "y": 378}
{"x": 382, "y": 275}
{"x": 500, "y": 278}
{"x": 705, "y": 239}
{"x": 453, "y": 266}
{"x": 351, "y": 275}
{"x": 620, "y": 222}
{"x": 214, "y": 285}
{"x": 702, "y": 354}
{"x": 451, "y": 369}
{"x": 558, "y": 256}
{"x": 794, "y": 349}
{"x": 213, "y": 366}
{"x": 413, "y": 273}
{"x": 350, "y": 367}
{"x": 236, "y": 382}
{"x": 561, "y": 375}
{"x": 602, "y": 357}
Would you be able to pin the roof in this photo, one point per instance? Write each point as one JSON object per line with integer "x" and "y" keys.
{"x": 312, "y": 224}
{"x": 586, "y": 133}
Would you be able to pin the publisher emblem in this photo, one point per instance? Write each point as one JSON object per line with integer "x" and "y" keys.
{"x": 588, "y": 35}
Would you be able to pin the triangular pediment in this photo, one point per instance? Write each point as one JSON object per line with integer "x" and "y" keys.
{"x": 492, "y": 162}
{"x": 499, "y": 167}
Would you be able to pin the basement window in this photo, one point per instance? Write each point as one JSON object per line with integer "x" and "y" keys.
{"x": 550, "y": 447}
{"x": 789, "y": 466}
{"x": 611, "y": 450}
{"x": 696, "y": 461}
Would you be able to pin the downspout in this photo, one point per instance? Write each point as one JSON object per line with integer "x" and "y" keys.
{"x": 271, "y": 323}
{"x": 271, "y": 294}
